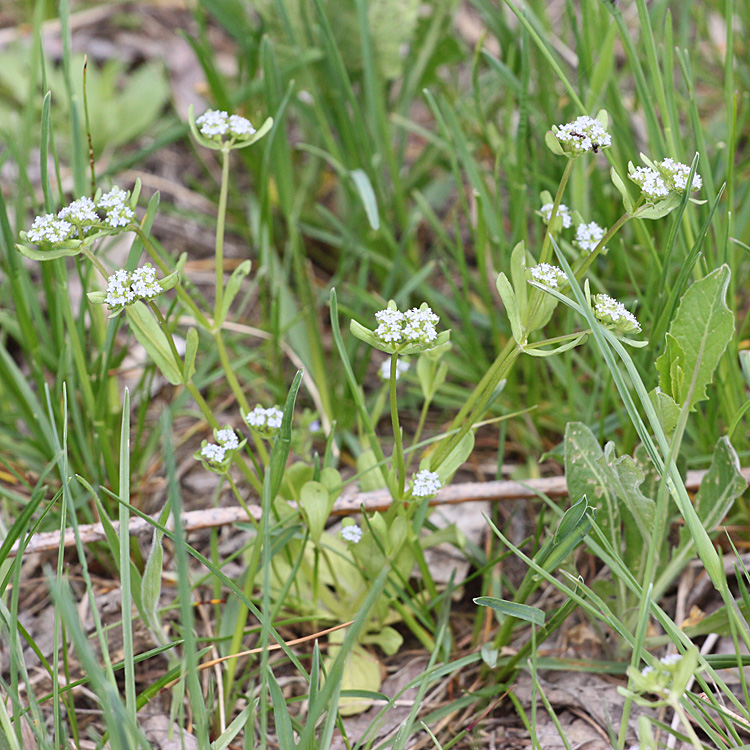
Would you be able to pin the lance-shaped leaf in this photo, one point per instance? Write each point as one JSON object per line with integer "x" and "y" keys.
{"x": 151, "y": 337}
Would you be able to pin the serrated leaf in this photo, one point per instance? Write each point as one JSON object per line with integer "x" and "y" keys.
{"x": 150, "y": 336}
{"x": 698, "y": 335}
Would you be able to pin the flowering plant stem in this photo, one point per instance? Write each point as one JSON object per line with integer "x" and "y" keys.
{"x": 220, "y": 222}
{"x": 398, "y": 442}
{"x": 546, "y": 251}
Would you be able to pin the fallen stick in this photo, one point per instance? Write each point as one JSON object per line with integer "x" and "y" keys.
{"x": 346, "y": 505}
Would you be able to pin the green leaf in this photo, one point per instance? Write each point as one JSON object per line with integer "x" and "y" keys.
{"x": 151, "y": 337}
{"x": 666, "y": 409}
{"x": 367, "y": 194}
{"x": 389, "y": 640}
{"x": 73, "y": 247}
{"x": 508, "y": 296}
{"x": 720, "y": 487}
{"x": 361, "y": 673}
{"x": 191, "y": 351}
{"x": 316, "y": 501}
{"x": 617, "y": 181}
{"x": 660, "y": 209}
{"x": 512, "y": 609}
{"x": 455, "y": 459}
{"x": 698, "y": 335}
{"x": 370, "y": 474}
{"x": 233, "y": 286}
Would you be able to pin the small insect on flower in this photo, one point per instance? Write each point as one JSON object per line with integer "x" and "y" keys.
{"x": 351, "y": 533}
{"x": 547, "y": 274}
{"x": 582, "y": 135}
{"x": 563, "y": 213}
{"x": 588, "y": 236}
{"x": 426, "y": 483}
{"x": 264, "y": 422}
{"x": 614, "y": 315}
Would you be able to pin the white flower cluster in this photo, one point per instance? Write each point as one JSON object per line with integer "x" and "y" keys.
{"x": 547, "y": 274}
{"x": 216, "y": 124}
{"x": 676, "y": 175}
{"x": 563, "y": 212}
{"x": 588, "y": 236}
{"x": 426, "y": 483}
{"x": 80, "y": 217}
{"x": 264, "y": 421}
{"x": 119, "y": 214}
{"x": 215, "y": 453}
{"x": 415, "y": 326}
{"x": 384, "y": 371}
{"x": 614, "y": 314}
{"x": 651, "y": 183}
{"x": 582, "y": 135}
{"x": 352, "y": 533}
{"x": 49, "y": 229}
{"x": 124, "y": 288}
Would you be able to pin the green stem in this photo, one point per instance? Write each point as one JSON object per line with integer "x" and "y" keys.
{"x": 398, "y": 442}
{"x": 418, "y": 432}
{"x": 498, "y": 370}
{"x": 546, "y": 252}
{"x": 591, "y": 257}
{"x": 99, "y": 265}
{"x": 220, "y": 222}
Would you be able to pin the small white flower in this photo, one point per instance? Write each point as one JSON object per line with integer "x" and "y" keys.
{"x": 676, "y": 175}
{"x": 264, "y": 421}
{"x": 390, "y": 325}
{"x": 213, "y": 122}
{"x": 384, "y": 371}
{"x": 119, "y": 213}
{"x": 646, "y": 671}
{"x": 420, "y": 325}
{"x": 240, "y": 127}
{"x": 49, "y": 229}
{"x": 227, "y": 439}
{"x": 214, "y": 454}
{"x": 82, "y": 210}
{"x": 143, "y": 282}
{"x": 582, "y": 135}
{"x": 651, "y": 183}
{"x": 216, "y": 124}
{"x": 426, "y": 483}
{"x": 563, "y": 212}
{"x": 588, "y": 236}
{"x": 549, "y": 275}
{"x": 351, "y": 533}
{"x": 671, "y": 659}
{"x": 614, "y": 314}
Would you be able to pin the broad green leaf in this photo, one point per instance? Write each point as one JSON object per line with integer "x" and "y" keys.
{"x": 508, "y": 296}
{"x": 191, "y": 351}
{"x": 617, "y": 181}
{"x": 151, "y": 337}
{"x": 700, "y": 332}
{"x": 720, "y": 487}
{"x": 316, "y": 502}
{"x": 512, "y": 609}
{"x": 666, "y": 409}
{"x": 661, "y": 209}
{"x": 370, "y": 474}
{"x": 455, "y": 459}
{"x": 362, "y": 671}
{"x": 68, "y": 249}
{"x": 387, "y": 638}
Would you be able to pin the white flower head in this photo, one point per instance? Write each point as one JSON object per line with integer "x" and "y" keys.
{"x": 614, "y": 314}
{"x": 266, "y": 422}
{"x": 114, "y": 204}
{"x": 81, "y": 211}
{"x": 588, "y": 236}
{"x": 123, "y": 288}
{"x": 390, "y": 325}
{"x": 563, "y": 213}
{"x": 426, "y": 483}
{"x": 671, "y": 659}
{"x": 582, "y": 135}
{"x": 351, "y": 533}
{"x": 676, "y": 175}
{"x": 227, "y": 439}
{"x": 49, "y": 229}
{"x": 213, "y": 454}
{"x": 651, "y": 183}
{"x": 384, "y": 371}
{"x": 216, "y": 124}
{"x": 419, "y": 325}
{"x": 549, "y": 275}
